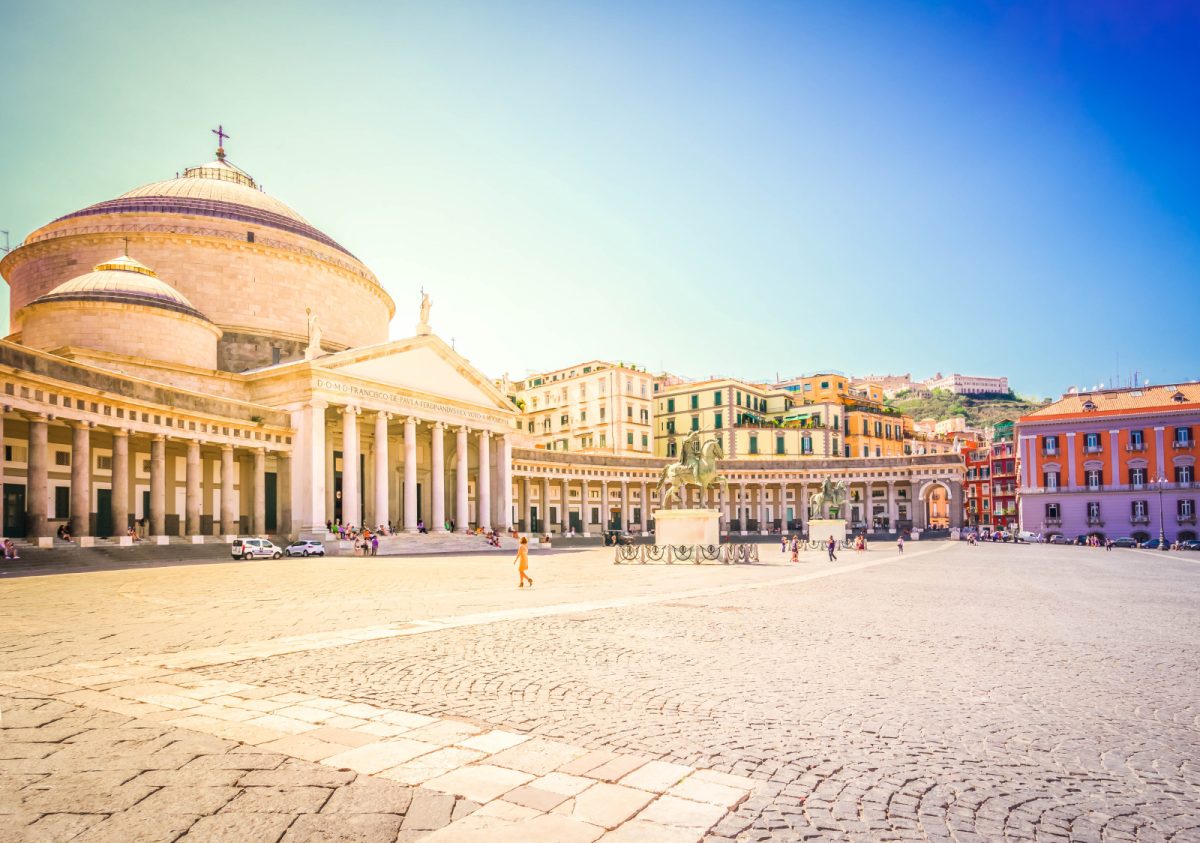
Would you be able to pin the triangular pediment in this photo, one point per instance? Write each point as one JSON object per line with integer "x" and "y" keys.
{"x": 422, "y": 364}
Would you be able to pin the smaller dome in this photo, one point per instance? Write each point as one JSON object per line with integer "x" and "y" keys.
{"x": 122, "y": 280}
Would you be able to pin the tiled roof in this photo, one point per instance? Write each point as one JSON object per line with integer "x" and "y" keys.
{"x": 1109, "y": 401}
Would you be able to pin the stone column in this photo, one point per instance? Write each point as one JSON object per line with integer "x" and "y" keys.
{"x": 483, "y": 482}
{"x": 191, "y": 499}
{"x": 604, "y": 510}
{"x": 351, "y": 509}
{"x": 305, "y": 489}
{"x": 462, "y": 512}
{"x": 330, "y": 468}
{"x": 564, "y": 511}
{"x": 381, "y": 468}
{"x": 258, "y": 518}
{"x": 438, "y": 470}
{"x": 645, "y": 510}
{"x": 230, "y": 525}
{"x": 38, "y": 493}
{"x": 120, "y": 481}
{"x": 158, "y": 485}
{"x": 763, "y": 526}
{"x": 955, "y": 503}
{"x": 410, "y": 474}
{"x": 783, "y": 519}
{"x": 506, "y": 480}
{"x": 544, "y": 511}
{"x": 366, "y": 499}
{"x": 804, "y": 515}
{"x": 584, "y": 506}
{"x": 916, "y": 507}
{"x": 526, "y": 490}
{"x": 283, "y": 486}
{"x": 868, "y": 514}
{"x": 892, "y": 513}
{"x": 81, "y": 479}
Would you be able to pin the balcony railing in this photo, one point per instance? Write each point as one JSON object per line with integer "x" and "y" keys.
{"x": 1134, "y": 447}
{"x": 1183, "y": 443}
{"x": 1139, "y": 519}
{"x": 1051, "y": 522}
{"x": 1113, "y": 487}
{"x": 1186, "y": 519}
{"x": 1095, "y": 521}
{"x": 1050, "y": 452}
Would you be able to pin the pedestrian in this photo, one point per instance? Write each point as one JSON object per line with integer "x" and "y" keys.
{"x": 10, "y": 550}
{"x": 375, "y": 545}
{"x": 900, "y": 543}
{"x": 522, "y": 561}
{"x": 831, "y": 546}
{"x": 795, "y": 549}
{"x": 783, "y": 544}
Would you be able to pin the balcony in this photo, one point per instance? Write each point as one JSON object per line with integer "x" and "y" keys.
{"x": 1050, "y": 452}
{"x": 1093, "y": 449}
{"x": 1095, "y": 521}
{"x": 1051, "y": 522}
{"x": 1139, "y": 519}
{"x": 1182, "y": 444}
{"x": 1186, "y": 519}
{"x": 1135, "y": 447}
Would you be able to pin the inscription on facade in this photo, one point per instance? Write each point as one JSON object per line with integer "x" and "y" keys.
{"x": 417, "y": 405}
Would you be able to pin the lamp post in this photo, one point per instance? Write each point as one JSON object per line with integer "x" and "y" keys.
{"x": 1162, "y": 535}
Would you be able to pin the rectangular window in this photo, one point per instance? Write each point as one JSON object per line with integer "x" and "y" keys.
{"x": 1049, "y": 445}
{"x": 1094, "y": 478}
{"x": 603, "y": 439}
{"x": 1091, "y": 441}
{"x": 1050, "y": 479}
{"x": 695, "y": 422}
{"x": 670, "y": 405}
{"x": 1137, "y": 476}
{"x": 695, "y": 402}
{"x": 754, "y": 444}
{"x": 717, "y": 398}
{"x": 582, "y": 416}
{"x": 806, "y": 445}
{"x": 1093, "y": 511}
{"x": 1186, "y": 508}
{"x": 824, "y": 384}
{"x": 645, "y": 441}
{"x": 1052, "y": 510}
{"x": 718, "y": 420}
{"x": 629, "y": 439}
{"x": 603, "y": 413}
{"x": 62, "y": 457}
{"x": 62, "y": 502}
{"x": 1136, "y": 440}
{"x": 103, "y": 462}
{"x": 1184, "y": 474}
{"x": 1183, "y": 435}
{"x": 739, "y": 399}
{"x": 779, "y": 449}
{"x": 1138, "y": 509}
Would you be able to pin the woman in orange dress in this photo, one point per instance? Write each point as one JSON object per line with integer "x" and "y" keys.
{"x": 522, "y": 561}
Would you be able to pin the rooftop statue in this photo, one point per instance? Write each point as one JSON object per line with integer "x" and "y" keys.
{"x": 697, "y": 466}
{"x": 314, "y": 335}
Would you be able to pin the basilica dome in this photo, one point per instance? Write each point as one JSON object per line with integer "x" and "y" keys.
{"x": 120, "y": 307}
{"x": 243, "y": 258}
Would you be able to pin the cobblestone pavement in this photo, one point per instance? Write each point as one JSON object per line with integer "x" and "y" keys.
{"x": 989, "y": 693}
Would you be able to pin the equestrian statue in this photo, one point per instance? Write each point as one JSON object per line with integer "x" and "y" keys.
{"x": 831, "y": 493}
{"x": 697, "y": 466}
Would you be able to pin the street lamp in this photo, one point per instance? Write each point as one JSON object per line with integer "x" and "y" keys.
{"x": 1162, "y": 535}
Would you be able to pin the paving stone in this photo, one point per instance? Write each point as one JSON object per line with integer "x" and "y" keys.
{"x": 444, "y": 732}
{"x": 183, "y": 799}
{"x": 137, "y": 827}
{"x": 287, "y": 725}
{"x": 563, "y": 783}
{"x": 369, "y": 796}
{"x": 304, "y": 747}
{"x": 429, "y": 810}
{"x": 279, "y": 800}
{"x": 537, "y": 756}
{"x": 238, "y": 828}
{"x": 376, "y": 757}
{"x": 481, "y": 782}
{"x": 84, "y": 793}
{"x": 547, "y": 828}
{"x": 431, "y": 765}
{"x": 700, "y": 790}
{"x": 609, "y": 805}
{"x": 726, "y": 779}
{"x": 587, "y": 762}
{"x": 496, "y": 740}
{"x": 501, "y": 809}
{"x": 407, "y": 719}
{"x": 656, "y": 776}
{"x": 297, "y": 774}
{"x": 671, "y": 810}
{"x": 57, "y": 826}
{"x": 344, "y": 737}
{"x": 640, "y": 831}
{"x": 617, "y": 768}
{"x": 344, "y": 828}
{"x": 536, "y": 798}
{"x": 380, "y": 729}
{"x": 234, "y": 760}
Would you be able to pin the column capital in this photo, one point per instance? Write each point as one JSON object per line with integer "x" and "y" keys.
{"x": 485, "y": 434}
{"x": 350, "y": 410}
{"x": 226, "y": 447}
{"x": 413, "y": 420}
{"x": 80, "y": 424}
{"x": 159, "y": 437}
{"x": 318, "y": 404}
{"x": 120, "y": 431}
{"x": 437, "y": 425}
{"x": 382, "y": 414}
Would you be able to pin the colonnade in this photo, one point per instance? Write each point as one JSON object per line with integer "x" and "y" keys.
{"x": 90, "y": 511}
{"x": 390, "y": 457}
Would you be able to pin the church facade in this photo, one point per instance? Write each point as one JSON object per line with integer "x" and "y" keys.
{"x": 170, "y": 367}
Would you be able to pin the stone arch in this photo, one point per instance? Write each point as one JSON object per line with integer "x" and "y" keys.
{"x": 925, "y": 518}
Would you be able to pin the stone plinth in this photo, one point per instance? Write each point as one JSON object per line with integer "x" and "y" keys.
{"x": 820, "y": 529}
{"x": 687, "y": 526}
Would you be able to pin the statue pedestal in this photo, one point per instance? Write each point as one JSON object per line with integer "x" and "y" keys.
{"x": 820, "y": 529}
{"x": 687, "y": 526}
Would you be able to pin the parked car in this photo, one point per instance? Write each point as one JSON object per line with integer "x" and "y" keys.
{"x": 1153, "y": 544}
{"x": 1028, "y": 536}
{"x": 305, "y": 547}
{"x": 1058, "y": 538}
{"x": 1125, "y": 541}
{"x": 1002, "y": 536}
{"x": 254, "y": 549}
{"x": 1081, "y": 540}
{"x": 1191, "y": 544}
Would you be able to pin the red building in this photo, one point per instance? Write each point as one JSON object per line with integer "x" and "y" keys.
{"x": 991, "y": 482}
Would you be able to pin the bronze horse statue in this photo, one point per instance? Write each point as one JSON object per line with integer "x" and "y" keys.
{"x": 697, "y": 467}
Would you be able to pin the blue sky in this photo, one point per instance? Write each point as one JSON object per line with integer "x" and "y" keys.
{"x": 724, "y": 188}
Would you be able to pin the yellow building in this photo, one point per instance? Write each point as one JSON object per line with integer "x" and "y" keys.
{"x": 751, "y": 420}
{"x": 870, "y": 427}
{"x": 593, "y": 408}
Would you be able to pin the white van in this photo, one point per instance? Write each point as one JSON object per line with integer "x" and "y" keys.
{"x": 1027, "y": 536}
{"x": 254, "y": 549}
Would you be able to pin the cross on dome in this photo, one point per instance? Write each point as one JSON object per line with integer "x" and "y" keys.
{"x": 221, "y": 136}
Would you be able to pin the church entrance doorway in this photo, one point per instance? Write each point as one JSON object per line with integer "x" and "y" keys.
{"x": 14, "y": 509}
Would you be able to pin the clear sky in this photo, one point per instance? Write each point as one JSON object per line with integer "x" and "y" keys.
{"x": 728, "y": 188}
